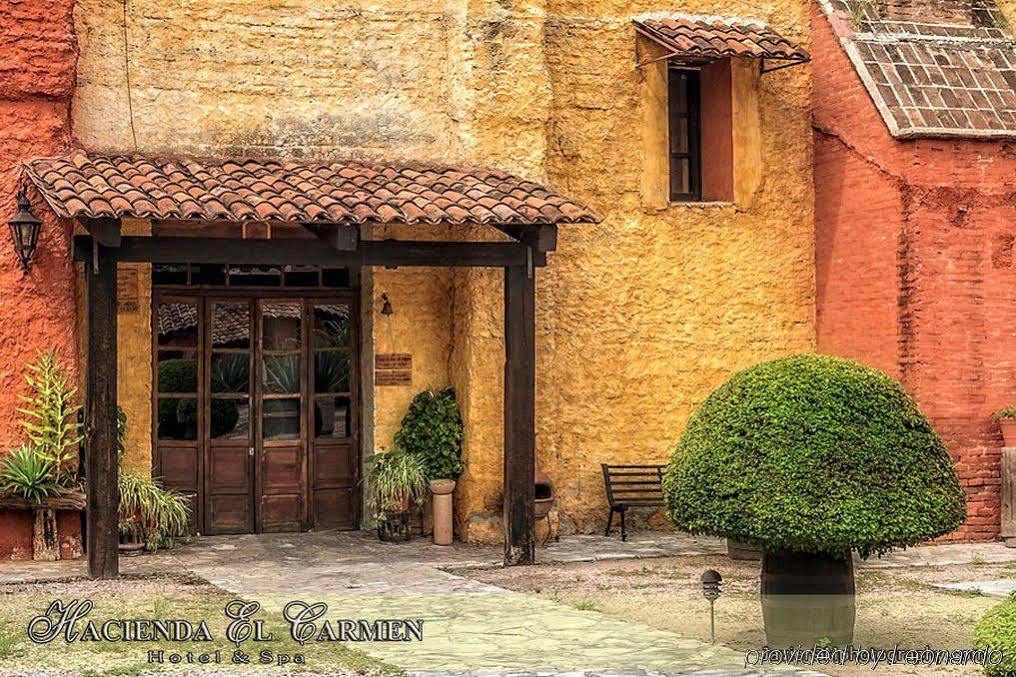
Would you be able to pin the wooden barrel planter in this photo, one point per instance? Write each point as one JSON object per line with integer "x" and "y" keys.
{"x": 33, "y": 530}
{"x": 807, "y": 599}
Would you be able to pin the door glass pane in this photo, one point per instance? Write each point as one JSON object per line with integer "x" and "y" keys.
{"x": 178, "y": 418}
{"x": 230, "y": 373}
{"x": 280, "y": 374}
{"x": 255, "y": 276}
{"x": 281, "y": 419}
{"x": 300, "y": 276}
{"x": 331, "y": 326}
{"x": 230, "y": 419}
{"x": 177, "y": 324}
{"x": 208, "y": 273}
{"x": 332, "y": 417}
{"x": 331, "y": 372}
{"x": 231, "y": 325}
{"x": 169, "y": 273}
{"x": 177, "y": 372}
{"x": 335, "y": 277}
{"x": 281, "y": 326}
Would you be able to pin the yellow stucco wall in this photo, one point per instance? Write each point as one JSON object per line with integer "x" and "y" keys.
{"x": 638, "y": 317}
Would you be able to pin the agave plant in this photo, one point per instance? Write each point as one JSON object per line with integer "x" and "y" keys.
{"x": 50, "y": 415}
{"x": 27, "y": 473}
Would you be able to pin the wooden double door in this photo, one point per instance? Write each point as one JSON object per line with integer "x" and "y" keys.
{"x": 255, "y": 409}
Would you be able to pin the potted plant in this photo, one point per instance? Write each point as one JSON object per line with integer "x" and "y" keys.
{"x": 148, "y": 516}
{"x": 432, "y": 429}
{"x": 812, "y": 458}
{"x": 1007, "y": 422}
{"x": 396, "y": 482}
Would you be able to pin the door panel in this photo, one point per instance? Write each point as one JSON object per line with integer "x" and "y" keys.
{"x": 229, "y": 482}
{"x": 176, "y": 332}
{"x": 334, "y": 459}
{"x": 282, "y": 388}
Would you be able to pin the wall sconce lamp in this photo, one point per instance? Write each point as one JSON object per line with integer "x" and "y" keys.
{"x": 25, "y": 227}
{"x": 386, "y": 306}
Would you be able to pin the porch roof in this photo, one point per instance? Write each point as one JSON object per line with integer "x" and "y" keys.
{"x": 348, "y": 192}
{"x": 715, "y": 37}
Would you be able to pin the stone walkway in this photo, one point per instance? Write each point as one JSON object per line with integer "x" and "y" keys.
{"x": 470, "y": 627}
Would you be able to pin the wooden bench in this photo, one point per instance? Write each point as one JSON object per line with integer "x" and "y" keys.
{"x": 632, "y": 486}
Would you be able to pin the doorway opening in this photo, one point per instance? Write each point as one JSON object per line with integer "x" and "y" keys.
{"x": 255, "y": 408}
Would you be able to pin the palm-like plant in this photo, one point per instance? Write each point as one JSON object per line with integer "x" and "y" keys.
{"x": 26, "y": 473}
{"x": 50, "y": 415}
{"x": 397, "y": 480}
{"x": 148, "y": 513}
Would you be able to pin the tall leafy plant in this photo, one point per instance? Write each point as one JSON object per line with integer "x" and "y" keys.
{"x": 432, "y": 429}
{"x": 51, "y": 415}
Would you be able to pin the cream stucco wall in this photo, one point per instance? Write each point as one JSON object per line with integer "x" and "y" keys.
{"x": 638, "y": 317}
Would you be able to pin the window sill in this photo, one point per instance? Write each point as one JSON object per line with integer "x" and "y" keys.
{"x": 690, "y": 204}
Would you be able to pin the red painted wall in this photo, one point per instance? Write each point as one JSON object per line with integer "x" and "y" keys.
{"x": 914, "y": 267}
{"x": 38, "y": 55}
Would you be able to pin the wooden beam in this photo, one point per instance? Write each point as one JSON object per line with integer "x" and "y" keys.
{"x": 339, "y": 238}
{"x": 105, "y": 231}
{"x": 542, "y": 239}
{"x": 519, "y": 415}
{"x": 312, "y": 252}
{"x": 102, "y": 492}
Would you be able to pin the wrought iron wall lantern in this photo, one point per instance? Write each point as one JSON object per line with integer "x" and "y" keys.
{"x": 25, "y": 227}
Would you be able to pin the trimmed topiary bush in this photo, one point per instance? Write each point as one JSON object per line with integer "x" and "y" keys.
{"x": 813, "y": 454}
{"x": 997, "y": 631}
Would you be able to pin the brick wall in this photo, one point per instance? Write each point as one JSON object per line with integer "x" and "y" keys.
{"x": 914, "y": 267}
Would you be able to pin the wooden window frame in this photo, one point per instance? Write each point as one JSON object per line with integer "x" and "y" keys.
{"x": 693, "y": 116}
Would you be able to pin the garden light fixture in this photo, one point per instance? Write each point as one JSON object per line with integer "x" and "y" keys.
{"x": 711, "y": 581}
{"x": 25, "y": 228}
{"x": 386, "y": 306}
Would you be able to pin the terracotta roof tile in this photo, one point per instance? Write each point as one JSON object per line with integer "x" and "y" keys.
{"x": 938, "y": 68}
{"x": 348, "y": 191}
{"x": 718, "y": 37}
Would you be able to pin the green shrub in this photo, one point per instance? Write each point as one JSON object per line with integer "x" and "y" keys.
{"x": 51, "y": 418}
{"x": 432, "y": 429}
{"x": 1006, "y": 412}
{"x": 997, "y": 631}
{"x": 27, "y": 473}
{"x": 813, "y": 454}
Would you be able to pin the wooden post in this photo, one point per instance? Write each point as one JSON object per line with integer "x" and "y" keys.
{"x": 45, "y": 536}
{"x": 519, "y": 414}
{"x": 1009, "y": 496}
{"x": 100, "y": 420}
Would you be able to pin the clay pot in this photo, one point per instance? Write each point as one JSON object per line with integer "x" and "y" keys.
{"x": 807, "y": 599}
{"x": 442, "y": 504}
{"x": 742, "y": 551}
{"x": 1008, "y": 426}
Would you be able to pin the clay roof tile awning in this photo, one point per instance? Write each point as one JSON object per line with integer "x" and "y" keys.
{"x": 712, "y": 38}
{"x": 344, "y": 192}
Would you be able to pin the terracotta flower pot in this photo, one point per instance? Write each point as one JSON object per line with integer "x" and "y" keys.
{"x": 442, "y": 490}
{"x": 1008, "y": 426}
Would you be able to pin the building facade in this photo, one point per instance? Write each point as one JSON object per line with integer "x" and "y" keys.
{"x": 639, "y": 316}
{"x": 915, "y": 177}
